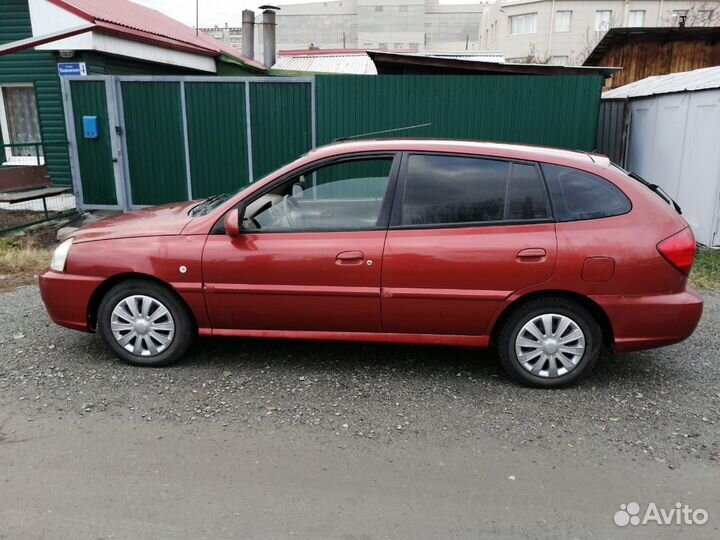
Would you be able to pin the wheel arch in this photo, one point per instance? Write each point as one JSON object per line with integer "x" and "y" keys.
{"x": 109, "y": 283}
{"x": 598, "y": 313}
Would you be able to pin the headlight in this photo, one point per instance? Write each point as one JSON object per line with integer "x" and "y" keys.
{"x": 60, "y": 256}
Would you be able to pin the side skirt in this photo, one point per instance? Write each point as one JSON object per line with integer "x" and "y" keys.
{"x": 364, "y": 337}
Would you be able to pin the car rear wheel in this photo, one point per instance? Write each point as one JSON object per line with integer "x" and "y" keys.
{"x": 549, "y": 343}
{"x": 145, "y": 324}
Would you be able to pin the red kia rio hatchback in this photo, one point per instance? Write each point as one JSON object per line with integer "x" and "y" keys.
{"x": 549, "y": 255}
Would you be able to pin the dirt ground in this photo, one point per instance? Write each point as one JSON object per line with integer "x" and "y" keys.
{"x": 23, "y": 257}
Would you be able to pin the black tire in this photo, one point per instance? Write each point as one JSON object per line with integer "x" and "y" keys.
{"x": 542, "y": 306}
{"x": 184, "y": 325}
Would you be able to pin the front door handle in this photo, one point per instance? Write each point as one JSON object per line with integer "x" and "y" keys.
{"x": 531, "y": 254}
{"x": 350, "y": 257}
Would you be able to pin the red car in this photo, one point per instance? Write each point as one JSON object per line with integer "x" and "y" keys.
{"x": 550, "y": 255}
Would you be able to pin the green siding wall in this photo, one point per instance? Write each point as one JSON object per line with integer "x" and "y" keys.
{"x": 217, "y": 137}
{"x": 38, "y": 68}
{"x": 155, "y": 142}
{"x": 557, "y": 111}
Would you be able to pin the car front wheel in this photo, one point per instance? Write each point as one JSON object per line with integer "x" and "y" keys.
{"x": 145, "y": 324}
{"x": 549, "y": 343}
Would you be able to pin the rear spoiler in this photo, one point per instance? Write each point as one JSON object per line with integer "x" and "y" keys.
{"x": 657, "y": 189}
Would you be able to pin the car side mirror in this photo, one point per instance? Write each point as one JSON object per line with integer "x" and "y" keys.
{"x": 232, "y": 222}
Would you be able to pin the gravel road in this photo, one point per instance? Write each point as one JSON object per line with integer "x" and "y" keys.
{"x": 659, "y": 408}
{"x": 663, "y": 404}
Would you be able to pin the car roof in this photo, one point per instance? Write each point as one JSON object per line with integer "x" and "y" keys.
{"x": 503, "y": 150}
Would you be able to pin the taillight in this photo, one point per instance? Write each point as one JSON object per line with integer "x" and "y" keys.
{"x": 679, "y": 250}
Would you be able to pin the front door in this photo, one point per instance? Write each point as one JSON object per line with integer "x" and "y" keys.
{"x": 309, "y": 257}
{"x": 465, "y": 234}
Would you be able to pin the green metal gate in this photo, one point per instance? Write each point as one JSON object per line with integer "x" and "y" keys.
{"x": 165, "y": 139}
{"x": 94, "y": 156}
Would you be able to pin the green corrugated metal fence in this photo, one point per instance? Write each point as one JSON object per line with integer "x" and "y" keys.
{"x": 217, "y": 137}
{"x": 281, "y": 124}
{"x": 155, "y": 142}
{"x": 186, "y": 137}
{"x": 559, "y": 111}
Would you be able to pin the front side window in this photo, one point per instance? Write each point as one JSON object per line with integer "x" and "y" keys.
{"x": 339, "y": 196}
{"x": 458, "y": 190}
{"x": 19, "y": 123}
{"x": 579, "y": 195}
{"x": 523, "y": 24}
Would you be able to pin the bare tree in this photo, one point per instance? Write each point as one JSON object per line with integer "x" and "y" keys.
{"x": 592, "y": 37}
{"x": 533, "y": 57}
{"x": 698, "y": 14}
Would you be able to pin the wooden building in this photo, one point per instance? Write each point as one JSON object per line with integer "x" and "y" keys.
{"x": 644, "y": 52}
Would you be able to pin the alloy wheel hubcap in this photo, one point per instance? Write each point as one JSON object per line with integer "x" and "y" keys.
{"x": 550, "y": 345}
{"x": 142, "y": 325}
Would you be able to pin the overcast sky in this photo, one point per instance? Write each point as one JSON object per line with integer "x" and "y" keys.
{"x": 227, "y": 11}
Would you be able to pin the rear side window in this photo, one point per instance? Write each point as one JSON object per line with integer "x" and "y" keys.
{"x": 456, "y": 190}
{"x": 578, "y": 195}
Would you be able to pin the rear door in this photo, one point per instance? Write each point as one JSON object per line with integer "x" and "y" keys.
{"x": 466, "y": 232}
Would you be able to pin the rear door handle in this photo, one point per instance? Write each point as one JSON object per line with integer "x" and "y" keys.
{"x": 531, "y": 254}
{"x": 350, "y": 257}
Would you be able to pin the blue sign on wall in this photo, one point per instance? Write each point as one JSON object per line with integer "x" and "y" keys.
{"x": 67, "y": 69}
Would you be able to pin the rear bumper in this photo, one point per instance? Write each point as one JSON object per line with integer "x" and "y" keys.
{"x": 646, "y": 322}
{"x": 67, "y": 298}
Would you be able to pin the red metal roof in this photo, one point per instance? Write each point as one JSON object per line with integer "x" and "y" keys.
{"x": 141, "y": 23}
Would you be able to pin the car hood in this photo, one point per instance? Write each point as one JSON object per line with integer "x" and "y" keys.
{"x": 165, "y": 220}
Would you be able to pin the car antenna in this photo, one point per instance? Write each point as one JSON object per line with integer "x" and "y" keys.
{"x": 339, "y": 139}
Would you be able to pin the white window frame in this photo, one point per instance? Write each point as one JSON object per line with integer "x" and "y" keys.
{"x": 5, "y": 130}
{"x": 600, "y": 24}
{"x": 569, "y": 21}
{"x": 631, "y": 24}
{"x": 524, "y": 17}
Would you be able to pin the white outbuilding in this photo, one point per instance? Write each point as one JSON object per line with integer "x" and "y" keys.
{"x": 674, "y": 141}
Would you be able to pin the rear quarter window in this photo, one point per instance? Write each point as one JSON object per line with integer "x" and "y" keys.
{"x": 579, "y": 195}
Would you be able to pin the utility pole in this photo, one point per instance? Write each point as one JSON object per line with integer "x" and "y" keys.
{"x": 197, "y": 17}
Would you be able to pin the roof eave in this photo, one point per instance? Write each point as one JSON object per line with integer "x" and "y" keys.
{"x": 472, "y": 66}
{"x": 250, "y": 65}
{"x": 23, "y": 44}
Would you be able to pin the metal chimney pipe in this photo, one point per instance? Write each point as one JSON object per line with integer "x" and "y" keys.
{"x": 248, "y": 33}
{"x": 268, "y": 32}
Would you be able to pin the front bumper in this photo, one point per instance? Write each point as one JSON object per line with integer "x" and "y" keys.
{"x": 67, "y": 298}
{"x": 646, "y": 322}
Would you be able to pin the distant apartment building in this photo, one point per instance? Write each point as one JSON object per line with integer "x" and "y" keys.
{"x": 372, "y": 24}
{"x": 566, "y": 31}
{"x": 230, "y": 35}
